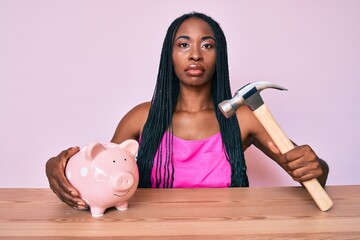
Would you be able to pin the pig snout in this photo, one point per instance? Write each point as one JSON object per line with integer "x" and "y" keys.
{"x": 124, "y": 181}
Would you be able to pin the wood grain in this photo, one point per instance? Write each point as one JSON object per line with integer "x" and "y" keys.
{"x": 284, "y": 144}
{"x": 222, "y": 213}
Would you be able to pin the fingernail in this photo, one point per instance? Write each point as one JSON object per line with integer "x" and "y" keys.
{"x": 80, "y": 208}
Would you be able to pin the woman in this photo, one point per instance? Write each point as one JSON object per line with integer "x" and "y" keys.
{"x": 184, "y": 139}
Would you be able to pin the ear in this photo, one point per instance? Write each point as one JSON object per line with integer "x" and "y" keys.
{"x": 93, "y": 150}
{"x": 130, "y": 145}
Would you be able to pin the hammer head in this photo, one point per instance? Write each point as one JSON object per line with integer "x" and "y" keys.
{"x": 249, "y": 95}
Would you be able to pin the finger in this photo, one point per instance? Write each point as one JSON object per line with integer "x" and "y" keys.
{"x": 304, "y": 178}
{"x": 307, "y": 177}
{"x": 310, "y": 163}
{"x": 295, "y": 164}
{"x": 63, "y": 196}
{"x": 299, "y": 152}
{"x": 62, "y": 181}
{"x": 304, "y": 174}
{"x": 67, "y": 154}
{"x": 68, "y": 197}
{"x": 70, "y": 194}
{"x": 297, "y": 158}
{"x": 61, "y": 186}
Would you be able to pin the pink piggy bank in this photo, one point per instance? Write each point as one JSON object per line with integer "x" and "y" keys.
{"x": 105, "y": 174}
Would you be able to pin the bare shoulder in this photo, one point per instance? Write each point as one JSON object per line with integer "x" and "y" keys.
{"x": 131, "y": 125}
{"x": 138, "y": 114}
{"x": 249, "y": 125}
{"x": 245, "y": 117}
{"x": 252, "y": 131}
{"x": 141, "y": 109}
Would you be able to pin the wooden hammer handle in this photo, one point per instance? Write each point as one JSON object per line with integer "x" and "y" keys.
{"x": 284, "y": 144}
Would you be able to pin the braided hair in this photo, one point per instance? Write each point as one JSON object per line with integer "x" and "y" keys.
{"x": 163, "y": 104}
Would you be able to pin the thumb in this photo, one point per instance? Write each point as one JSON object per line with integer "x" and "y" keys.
{"x": 273, "y": 148}
{"x": 66, "y": 154}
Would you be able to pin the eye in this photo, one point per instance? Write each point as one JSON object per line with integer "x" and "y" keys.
{"x": 125, "y": 159}
{"x": 183, "y": 45}
{"x": 207, "y": 46}
{"x": 114, "y": 161}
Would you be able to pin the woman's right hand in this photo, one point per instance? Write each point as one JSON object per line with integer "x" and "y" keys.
{"x": 55, "y": 172}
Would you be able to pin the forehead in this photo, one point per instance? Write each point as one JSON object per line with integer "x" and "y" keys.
{"x": 194, "y": 26}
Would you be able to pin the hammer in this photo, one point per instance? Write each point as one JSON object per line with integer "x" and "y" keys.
{"x": 250, "y": 95}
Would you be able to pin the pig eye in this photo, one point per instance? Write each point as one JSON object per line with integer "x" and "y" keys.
{"x": 125, "y": 159}
{"x": 113, "y": 160}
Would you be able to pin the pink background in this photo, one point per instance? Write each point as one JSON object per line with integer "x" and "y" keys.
{"x": 69, "y": 70}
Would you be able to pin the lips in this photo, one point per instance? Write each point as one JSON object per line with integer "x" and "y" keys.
{"x": 194, "y": 70}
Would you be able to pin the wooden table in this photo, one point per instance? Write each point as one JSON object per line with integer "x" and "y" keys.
{"x": 223, "y": 213}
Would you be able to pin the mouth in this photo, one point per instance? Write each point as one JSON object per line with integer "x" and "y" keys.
{"x": 195, "y": 70}
{"x": 120, "y": 195}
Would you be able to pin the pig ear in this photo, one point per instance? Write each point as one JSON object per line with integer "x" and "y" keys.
{"x": 93, "y": 150}
{"x": 130, "y": 145}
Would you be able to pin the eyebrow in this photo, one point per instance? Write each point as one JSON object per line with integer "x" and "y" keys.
{"x": 188, "y": 38}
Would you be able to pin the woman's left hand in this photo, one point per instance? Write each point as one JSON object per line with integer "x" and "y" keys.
{"x": 301, "y": 163}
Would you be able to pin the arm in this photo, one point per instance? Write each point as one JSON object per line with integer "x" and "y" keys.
{"x": 131, "y": 126}
{"x": 301, "y": 163}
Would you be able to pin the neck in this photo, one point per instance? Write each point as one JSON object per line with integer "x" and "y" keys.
{"x": 194, "y": 99}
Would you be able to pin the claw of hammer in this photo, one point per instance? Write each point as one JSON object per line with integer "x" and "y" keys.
{"x": 250, "y": 95}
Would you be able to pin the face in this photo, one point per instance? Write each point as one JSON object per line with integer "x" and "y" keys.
{"x": 194, "y": 53}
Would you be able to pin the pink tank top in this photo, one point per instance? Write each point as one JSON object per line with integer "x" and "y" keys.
{"x": 197, "y": 163}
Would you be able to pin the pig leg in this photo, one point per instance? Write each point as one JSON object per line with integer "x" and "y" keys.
{"x": 97, "y": 211}
{"x": 122, "y": 206}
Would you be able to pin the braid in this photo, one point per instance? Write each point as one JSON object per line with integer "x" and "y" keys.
{"x": 229, "y": 128}
{"x": 162, "y": 107}
{"x": 160, "y": 114}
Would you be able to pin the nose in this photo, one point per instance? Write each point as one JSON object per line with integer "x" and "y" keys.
{"x": 124, "y": 181}
{"x": 195, "y": 54}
